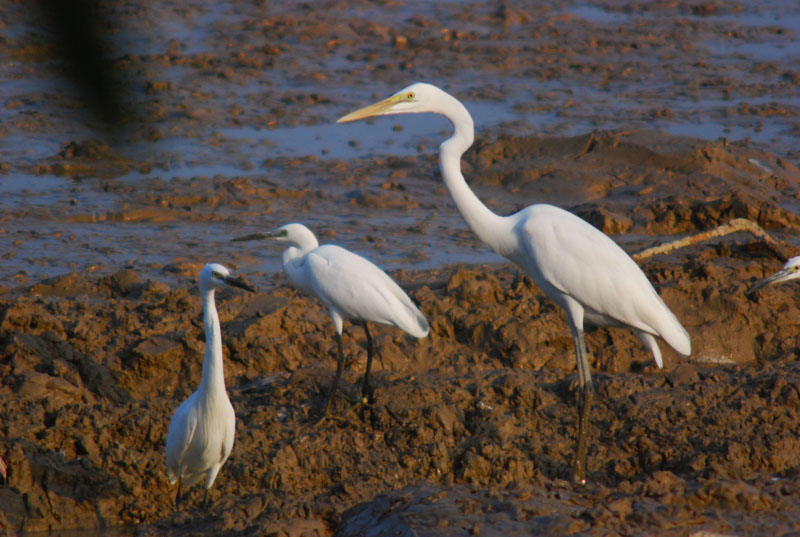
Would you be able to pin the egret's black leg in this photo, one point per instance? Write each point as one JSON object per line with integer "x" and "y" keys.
{"x": 205, "y": 500}
{"x": 178, "y": 495}
{"x": 366, "y": 395}
{"x": 339, "y": 367}
{"x": 584, "y": 398}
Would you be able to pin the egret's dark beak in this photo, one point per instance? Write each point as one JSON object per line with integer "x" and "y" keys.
{"x": 253, "y": 237}
{"x": 274, "y": 234}
{"x": 238, "y": 282}
{"x": 775, "y": 278}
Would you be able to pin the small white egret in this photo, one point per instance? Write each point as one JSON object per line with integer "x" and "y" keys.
{"x": 350, "y": 286}
{"x": 790, "y": 271}
{"x": 201, "y": 431}
{"x": 576, "y": 265}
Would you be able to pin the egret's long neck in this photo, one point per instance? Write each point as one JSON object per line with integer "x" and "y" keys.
{"x": 302, "y": 242}
{"x": 213, "y": 375}
{"x": 295, "y": 253}
{"x": 294, "y": 257}
{"x": 489, "y": 227}
{"x": 290, "y": 254}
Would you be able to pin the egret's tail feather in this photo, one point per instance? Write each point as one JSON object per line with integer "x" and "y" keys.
{"x": 424, "y": 327}
{"x": 414, "y": 323}
{"x": 667, "y": 326}
{"x": 406, "y": 315}
{"x": 172, "y": 477}
{"x": 679, "y": 339}
{"x": 652, "y": 345}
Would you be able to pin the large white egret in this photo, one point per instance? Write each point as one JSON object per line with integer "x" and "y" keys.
{"x": 576, "y": 265}
{"x": 201, "y": 431}
{"x": 350, "y": 286}
{"x": 790, "y": 271}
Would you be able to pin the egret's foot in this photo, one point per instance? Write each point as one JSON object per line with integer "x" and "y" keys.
{"x": 357, "y": 402}
{"x": 578, "y": 475}
{"x": 325, "y": 410}
{"x": 367, "y": 395}
{"x": 320, "y": 416}
{"x": 585, "y": 397}
{"x": 178, "y": 496}
{"x": 579, "y": 467}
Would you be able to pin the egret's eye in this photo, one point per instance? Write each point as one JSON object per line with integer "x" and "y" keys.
{"x": 410, "y": 96}
{"x": 216, "y": 274}
{"x": 283, "y": 233}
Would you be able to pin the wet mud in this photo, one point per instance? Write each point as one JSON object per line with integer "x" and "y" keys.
{"x": 472, "y": 430}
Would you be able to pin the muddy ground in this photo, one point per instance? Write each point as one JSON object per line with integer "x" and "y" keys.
{"x": 473, "y": 428}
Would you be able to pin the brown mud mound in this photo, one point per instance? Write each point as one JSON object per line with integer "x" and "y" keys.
{"x": 556, "y": 508}
{"x": 472, "y": 428}
{"x": 642, "y": 182}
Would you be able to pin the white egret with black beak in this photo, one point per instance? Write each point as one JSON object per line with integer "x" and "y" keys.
{"x": 350, "y": 286}
{"x": 201, "y": 431}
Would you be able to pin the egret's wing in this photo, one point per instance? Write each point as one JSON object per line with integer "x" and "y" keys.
{"x": 359, "y": 290}
{"x": 230, "y": 433}
{"x": 182, "y": 428}
{"x": 576, "y": 259}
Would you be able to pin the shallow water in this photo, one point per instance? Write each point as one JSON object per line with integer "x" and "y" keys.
{"x": 737, "y": 43}
{"x": 505, "y": 102}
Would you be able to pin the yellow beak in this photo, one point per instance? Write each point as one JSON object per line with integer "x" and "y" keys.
{"x": 377, "y": 109}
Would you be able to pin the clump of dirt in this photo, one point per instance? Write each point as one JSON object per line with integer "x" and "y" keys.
{"x": 86, "y": 158}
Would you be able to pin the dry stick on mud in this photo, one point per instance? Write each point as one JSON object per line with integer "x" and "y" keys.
{"x": 735, "y": 225}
